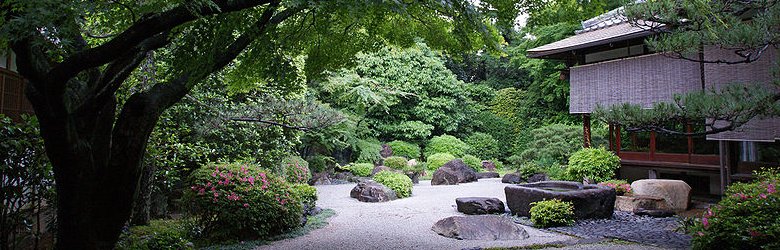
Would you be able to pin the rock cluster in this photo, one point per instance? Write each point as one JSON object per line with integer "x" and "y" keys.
{"x": 371, "y": 191}
{"x": 452, "y": 173}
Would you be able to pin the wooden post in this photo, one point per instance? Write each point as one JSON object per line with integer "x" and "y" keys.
{"x": 586, "y": 130}
{"x": 722, "y": 153}
{"x": 618, "y": 139}
{"x": 689, "y": 130}
{"x": 652, "y": 145}
{"x": 611, "y": 137}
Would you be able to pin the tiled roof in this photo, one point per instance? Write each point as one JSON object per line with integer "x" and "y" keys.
{"x": 606, "y": 28}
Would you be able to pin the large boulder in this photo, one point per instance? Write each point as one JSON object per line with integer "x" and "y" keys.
{"x": 590, "y": 201}
{"x": 489, "y": 166}
{"x": 479, "y": 227}
{"x": 484, "y": 175}
{"x": 322, "y": 178}
{"x": 480, "y": 205}
{"x": 676, "y": 193}
{"x": 646, "y": 202}
{"x": 455, "y": 167}
{"x": 538, "y": 177}
{"x": 512, "y": 178}
{"x": 371, "y": 191}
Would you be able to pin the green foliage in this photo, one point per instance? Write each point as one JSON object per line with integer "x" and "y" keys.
{"x": 529, "y": 169}
{"x": 241, "y": 201}
{"x": 473, "y": 162}
{"x": 27, "y": 178}
{"x": 405, "y": 149}
{"x": 368, "y": 150}
{"x": 446, "y": 144}
{"x": 482, "y": 145}
{"x": 550, "y": 213}
{"x": 398, "y": 182}
{"x": 159, "y": 234}
{"x": 556, "y": 142}
{"x": 437, "y": 160}
{"x": 321, "y": 163}
{"x": 396, "y": 162}
{"x": 296, "y": 170}
{"x": 306, "y": 193}
{"x": 746, "y": 218}
{"x": 595, "y": 164}
{"x": 621, "y": 187}
{"x": 361, "y": 169}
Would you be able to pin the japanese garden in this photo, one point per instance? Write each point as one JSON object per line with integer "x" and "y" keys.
{"x": 453, "y": 124}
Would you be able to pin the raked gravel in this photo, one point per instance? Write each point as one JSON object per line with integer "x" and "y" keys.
{"x": 403, "y": 223}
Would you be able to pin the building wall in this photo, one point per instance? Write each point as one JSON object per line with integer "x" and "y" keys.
{"x": 13, "y": 102}
{"x": 653, "y": 78}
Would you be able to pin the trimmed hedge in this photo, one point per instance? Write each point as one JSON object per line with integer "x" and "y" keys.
{"x": 296, "y": 169}
{"x": 435, "y": 161}
{"x": 595, "y": 164}
{"x": 473, "y": 162}
{"x": 405, "y": 149}
{"x": 550, "y": 213}
{"x": 446, "y": 144}
{"x": 398, "y": 182}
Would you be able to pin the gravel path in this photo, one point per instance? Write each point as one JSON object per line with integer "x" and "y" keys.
{"x": 404, "y": 223}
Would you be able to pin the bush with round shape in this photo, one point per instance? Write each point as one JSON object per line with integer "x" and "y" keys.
{"x": 446, "y": 144}
{"x": 621, "y": 187}
{"x": 748, "y": 217}
{"x": 594, "y": 164}
{"x": 397, "y": 163}
{"x": 551, "y": 213}
{"x": 473, "y": 162}
{"x": 482, "y": 145}
{"x": 158, "y": 234}
{"x": 241, "y": 201}
{"x": 398, "y": 182}
{"x": 306, "y": 193}
{"x": 361, "y": 169}
{"x": 405, "y": 149}
{"x": 296, "y": 170}
{"x": 435, "y": 161}
{"x": 529, "y": 169}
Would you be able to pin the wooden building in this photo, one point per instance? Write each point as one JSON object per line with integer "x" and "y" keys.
{"x": 13, "y": 102}
{"x": 608, "y": 63}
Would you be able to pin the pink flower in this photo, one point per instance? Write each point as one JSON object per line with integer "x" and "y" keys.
{"x": 705, "y": 222}
{"x": 763, "y": 196}
{"x": 700, "y": 233}
{"x": 709, "y": 213}
{"x": 216, "y": 194}
{"x": 251, "y": 180}
{"x": 246, "y": 204}
{"x": 208, "y": 184}
{"x": 201, "y": 191}
{"x": 770, "y": 188}
{"x": 194, "y": 188}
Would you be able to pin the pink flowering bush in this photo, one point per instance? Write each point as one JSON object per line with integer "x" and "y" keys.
{"x": 296, "y": 170}
{"x": 748, "y": 217}
{"x": 621, "y": 187}
{"x": 241, "y": 201}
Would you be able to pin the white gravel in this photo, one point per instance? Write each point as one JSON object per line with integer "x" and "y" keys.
{"x": 403, "y": 223}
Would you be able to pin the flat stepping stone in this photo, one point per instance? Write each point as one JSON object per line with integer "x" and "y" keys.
{"x": 480, "y": 205}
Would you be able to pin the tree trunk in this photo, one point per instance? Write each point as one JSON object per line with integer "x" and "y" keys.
{"x": 142, "y": 207}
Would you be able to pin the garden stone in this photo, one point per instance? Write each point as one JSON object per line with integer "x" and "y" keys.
{"x": 489, "y": 166}
{"x": 479, "y": 205}
{"x": 512, "y": 178}
{"x": 483, "y": 175}
{"x": 538, "y": 177}
{"x": 378, "y": 169}
{"x": 590, "y": 201}
{"x": 676, "y": 193}
{"x": 371, "y": 191}
{"x": 480, "y": 227}
{"x": 386, "y": 151}
{"x": 415, "y": 176}
{"x": 631, "y": 203}
{"x": 320, "y": 179}
{"x": 656, "y": 213}
{"x": 462, "y": 172}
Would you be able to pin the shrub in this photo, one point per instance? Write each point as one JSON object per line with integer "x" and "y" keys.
{"x": 405, "y": 149}
{"x": 473, "y": 162}
{"x": 482, "y": 145}
{"x": 321, "y": 163}
{"x": 396, "y": 162}
{"x": 435, "y": 161}
{"x": 550, "y": 213}
{"x": 556, "y": 142}
{"x": 306, "y": 193}
{"x": 595, "y": 164}
{"x": 621, "y": 187}
{"x": 445, "y": 144}
{"x": 233, "y": 201}
{"x": 159, "y": 234}
{"x": 361, "y": 169}
{"x": 529, "y": 169}
{"x": 398, "y": 182}
{"x": 296, "y": 170}
{"x": 368, "y": 150}
{"x": 746, "y": 218}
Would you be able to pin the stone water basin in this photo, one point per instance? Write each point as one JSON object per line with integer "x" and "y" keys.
{"x": 590, "y": 201}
